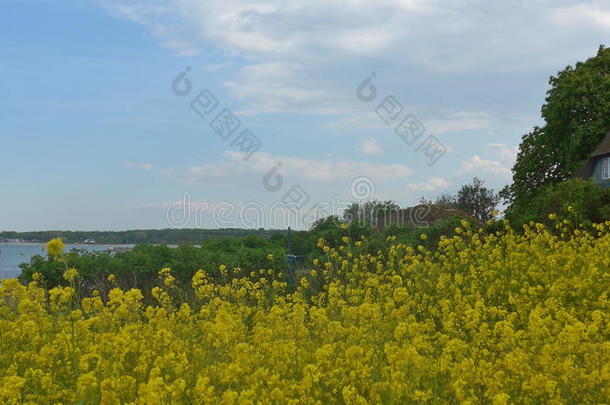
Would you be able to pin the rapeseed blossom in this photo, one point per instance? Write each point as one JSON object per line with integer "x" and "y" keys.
{"x": 70, "y": 274}
{"x": 502, "y": 318}
{"x": 55, "y": 247}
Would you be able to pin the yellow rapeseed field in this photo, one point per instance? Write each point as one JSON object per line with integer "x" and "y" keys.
{"x": 519, "y": 318}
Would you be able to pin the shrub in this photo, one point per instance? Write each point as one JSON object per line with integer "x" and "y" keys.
{"x": 589, "y": 203}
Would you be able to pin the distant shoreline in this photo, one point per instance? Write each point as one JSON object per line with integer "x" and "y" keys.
{"x": 68, "y": 244}
{"x": 134, "y": 237}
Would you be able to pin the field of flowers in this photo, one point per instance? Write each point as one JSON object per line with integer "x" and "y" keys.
{"x": 504, "y": 318}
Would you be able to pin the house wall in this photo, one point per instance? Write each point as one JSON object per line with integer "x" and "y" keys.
{"x": 597, "y": 173}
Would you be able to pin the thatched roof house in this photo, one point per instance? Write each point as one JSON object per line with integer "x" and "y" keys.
{"x": 597, "y": 167}
{"x": 420, "y": 216}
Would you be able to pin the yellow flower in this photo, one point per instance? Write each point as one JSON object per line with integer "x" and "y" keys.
{"x": 500, "y": 399}
{"x": 167, "y": 277}
{"x": 423, "y": 236}
{"x": 269, "y": 256}
{"x": 70, "y": 274}
{"x": 345, "y": 239}
{"x": 111, "y": 278}
{"x": 501, "y": 318}
{"x": 55, "y": 247}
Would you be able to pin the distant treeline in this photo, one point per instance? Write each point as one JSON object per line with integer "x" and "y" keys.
{"x": 151, "y": 236}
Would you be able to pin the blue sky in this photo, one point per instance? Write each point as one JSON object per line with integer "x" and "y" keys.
{"x": 93, "y": 137}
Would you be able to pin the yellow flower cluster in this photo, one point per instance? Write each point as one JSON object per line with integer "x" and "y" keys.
{"x": 55, "y": 247}
{"x": 485, "y": 318}
{"x": 70, "y": 274}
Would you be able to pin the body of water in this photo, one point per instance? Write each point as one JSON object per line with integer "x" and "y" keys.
{"x": 12, "y": 255}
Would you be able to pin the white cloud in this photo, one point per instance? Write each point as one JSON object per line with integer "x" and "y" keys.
{"x": 437, "y": 123}
{"x": 371, "y": 147}
{"x": 214, "y": 67}
{"x": 282, "y": 87}
{"x": 507, "y": 154}
{"x": 478, "y": 165}
{"x": 364, "y": 120}
{"x": 432, "y": 184}
{"x": 308, "y": 56}
{"x": 143, "y": 166}
{"x": 501, "y": 167}
{"x": 577, "y": 15}
{"x": 459, "y": 121}
{"x": 233, "y": 166}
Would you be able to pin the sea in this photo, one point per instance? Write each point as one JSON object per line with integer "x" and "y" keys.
{"x": 13, "y": 254}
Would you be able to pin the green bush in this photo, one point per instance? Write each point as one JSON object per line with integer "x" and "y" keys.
{"x": 138, "y": 267}
{"x": 589, "y": 202}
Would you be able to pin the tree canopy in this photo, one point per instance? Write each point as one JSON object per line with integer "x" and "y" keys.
{"x": 474, "y": 199}
{"x": 576, "y": 115}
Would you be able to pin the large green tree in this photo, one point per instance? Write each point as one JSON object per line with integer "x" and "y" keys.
{"x": 577, "y": 116}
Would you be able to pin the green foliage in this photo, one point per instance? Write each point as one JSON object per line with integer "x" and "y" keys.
{"x": 412, "y": 235}
{"x": 589, "y": 202}
{"x": 474, "y": 199}
{"x": 331, "y": 229}
{"x": 444, "y": 200}
{"x": 477, "y": 200}
{"x": 577, "y": 119}
{"x": 369, "y": 212}
{"x": 138, "y": 267}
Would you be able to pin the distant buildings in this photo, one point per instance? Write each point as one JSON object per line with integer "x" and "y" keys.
{"x": 18, "y": 241}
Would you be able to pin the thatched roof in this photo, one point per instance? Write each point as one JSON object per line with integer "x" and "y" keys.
{"x": 420, "y": 216}
{"x": 602, "y": 149}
